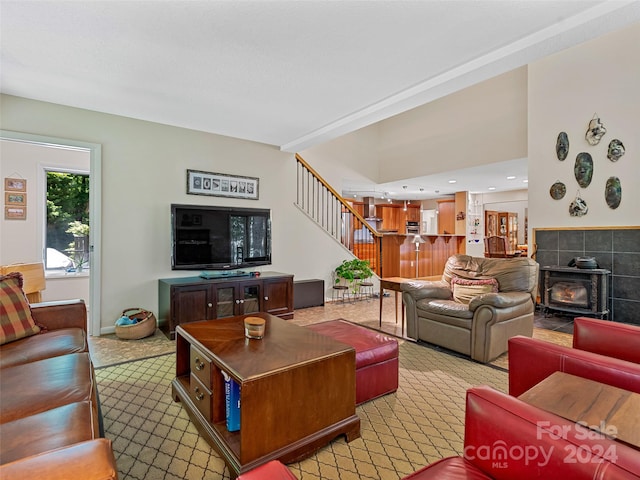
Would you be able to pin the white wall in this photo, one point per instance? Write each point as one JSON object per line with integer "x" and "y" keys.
{"x": 565, "y": 90}
{"x": 484, "y": 123}
{"x": 143, "y": 171}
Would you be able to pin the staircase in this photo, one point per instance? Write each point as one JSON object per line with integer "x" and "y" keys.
{"x": 320, "y": 202}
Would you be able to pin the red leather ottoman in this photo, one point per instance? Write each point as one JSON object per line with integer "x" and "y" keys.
{"x": 376, "y": 357}
{"x": 273, "y": 470}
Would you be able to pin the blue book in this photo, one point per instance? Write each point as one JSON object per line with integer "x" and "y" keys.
{"x": 232, "y": 402}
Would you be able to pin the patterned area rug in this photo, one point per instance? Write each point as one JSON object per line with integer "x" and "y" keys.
{"x": 422, "y": 422}
{"x": 559, "y": 338}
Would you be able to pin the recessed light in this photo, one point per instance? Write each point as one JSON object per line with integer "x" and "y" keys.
{"x": 452, "y": 181}
{"x": 491, "y": 188}
{"x": 511, "y": 177}
{"x": 525, "y": 180}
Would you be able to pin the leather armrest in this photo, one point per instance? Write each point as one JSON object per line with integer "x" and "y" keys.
{"x": 61, "y": 314}
{"x": 508, "y": 438}
{"x": 500, "y": 299}
{"x": 605, "y": 337}
{"x": 90, "y": 460}
{"x": 424, "y": 289}
{"x": 532, "y": 360}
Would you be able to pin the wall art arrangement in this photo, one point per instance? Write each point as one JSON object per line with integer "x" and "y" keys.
{"x": 221, "y": 185}
{"x": 584, "y": 167}
{"x": 15, "y": 199}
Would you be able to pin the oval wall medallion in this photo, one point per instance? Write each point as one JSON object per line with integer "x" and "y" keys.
{"x": 562, "y": 146}
{"x": 558, "y": 190}
{"x": 613, "y": 192}
{"x": 583, "y": 169}
{"x": 615, "y": 150}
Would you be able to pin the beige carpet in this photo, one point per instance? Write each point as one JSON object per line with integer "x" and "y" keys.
{"x": 423, "y": 422}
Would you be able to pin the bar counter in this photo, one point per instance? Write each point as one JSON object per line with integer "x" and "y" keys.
{"x": 399, "y": 254}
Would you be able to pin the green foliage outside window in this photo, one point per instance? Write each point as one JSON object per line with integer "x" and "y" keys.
{"x": 68, "y": 212}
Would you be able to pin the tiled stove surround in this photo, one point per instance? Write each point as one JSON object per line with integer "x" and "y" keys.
{"x": 615, "y": 249}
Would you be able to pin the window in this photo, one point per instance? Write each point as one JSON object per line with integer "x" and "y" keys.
{"x": 67, "y": 228}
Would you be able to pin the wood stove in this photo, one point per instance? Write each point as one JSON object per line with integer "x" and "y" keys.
{"x": 575, "y": 290}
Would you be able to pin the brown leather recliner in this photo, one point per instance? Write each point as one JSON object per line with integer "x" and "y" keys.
{"x": 482, "y": 327}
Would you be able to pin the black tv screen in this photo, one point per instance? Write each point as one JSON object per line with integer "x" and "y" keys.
{"x": 219, "y": 238}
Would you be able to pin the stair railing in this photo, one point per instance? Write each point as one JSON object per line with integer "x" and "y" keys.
{"x": 334, "y": 215}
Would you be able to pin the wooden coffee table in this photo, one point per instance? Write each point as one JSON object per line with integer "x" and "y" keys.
{"x": 604, "y": 408}
{"x": 297, "y": 389}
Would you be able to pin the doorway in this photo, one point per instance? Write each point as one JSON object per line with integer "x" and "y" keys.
{"x": 34, "y": 226}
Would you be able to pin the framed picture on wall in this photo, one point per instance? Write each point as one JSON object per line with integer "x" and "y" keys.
{"x": 15, "y": 198}
{"x": 15, "y": 184}
{"x": 15, "y": 213}
{"x": 221, "y": 185}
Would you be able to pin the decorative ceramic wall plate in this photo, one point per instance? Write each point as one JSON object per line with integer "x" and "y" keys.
{"x": 558, "y": 190}
{"x": 616, "y": 150}
{"x": 562, "y": 146}
{"x": 578, "y": 208}
{"x": 613, "y": 192}
{"x": 583, "y": 169}
{"x": 595, "y": 131}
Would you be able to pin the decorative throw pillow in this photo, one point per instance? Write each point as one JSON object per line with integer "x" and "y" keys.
{"x": 465, "y": 289}
{"x": 15, "y": 315}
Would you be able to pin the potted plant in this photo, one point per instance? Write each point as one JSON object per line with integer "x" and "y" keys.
{"x": 352, "y": 270}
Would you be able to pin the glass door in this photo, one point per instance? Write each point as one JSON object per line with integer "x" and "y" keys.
{"x": 251, "y": 298}
{"x": 225, "y": 300}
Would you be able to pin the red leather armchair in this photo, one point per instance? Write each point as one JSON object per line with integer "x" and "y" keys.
{"x": 613, "y": 339}
{"x": 603, "y": 351}
{"x": 524, "y": 443}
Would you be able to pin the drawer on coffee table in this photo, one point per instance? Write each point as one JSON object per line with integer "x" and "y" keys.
{"x": 200, "y": 366}
{"x": 201, "y": 396}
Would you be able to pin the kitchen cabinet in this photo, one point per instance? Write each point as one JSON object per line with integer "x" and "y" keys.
{"x": 390, "y": 215}
{"x": 446, "y": 217}
{"x": 413, "y": 213}
{"x": 184, "y": 300}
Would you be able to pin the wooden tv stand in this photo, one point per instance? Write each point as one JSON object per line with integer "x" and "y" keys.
{"x": 190, "y": 299}
{"x": 297, "y": 389}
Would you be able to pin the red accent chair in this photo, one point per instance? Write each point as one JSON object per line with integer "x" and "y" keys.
{"x": 603, "y": 351}
{"x": 508, "y": 438}
{"x": 613, "y": 339}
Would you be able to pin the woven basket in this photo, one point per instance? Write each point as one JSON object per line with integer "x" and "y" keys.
{"x": 146, "y": 324}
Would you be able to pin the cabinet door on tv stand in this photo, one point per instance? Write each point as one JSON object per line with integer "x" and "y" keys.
{"x": 278, "y": 297}
{"x": 191, "y": 303}
{"x": 226, "y": 299}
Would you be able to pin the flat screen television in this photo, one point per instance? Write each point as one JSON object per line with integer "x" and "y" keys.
{"x": 219, "y": 238}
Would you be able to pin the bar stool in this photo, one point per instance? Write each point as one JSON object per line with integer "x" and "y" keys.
{"x": 338, "y": 289}
{"x": 365, "y": 289}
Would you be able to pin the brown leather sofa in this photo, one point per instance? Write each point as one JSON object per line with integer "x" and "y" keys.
{"x": 482, "y": 327}
{"x": 50, "y": 423}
